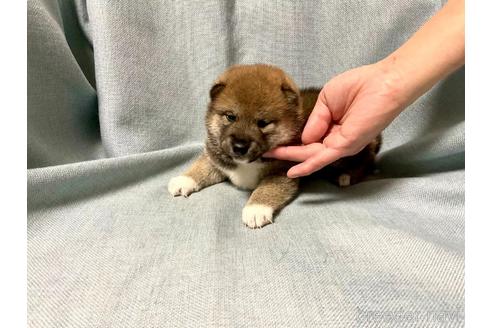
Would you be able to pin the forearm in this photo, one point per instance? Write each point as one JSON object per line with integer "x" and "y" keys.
{"x": 434, "y": 51}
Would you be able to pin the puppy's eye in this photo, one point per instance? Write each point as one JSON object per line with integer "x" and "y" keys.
{"x": 230, "y": 117}
{"x": 263, "y": 123}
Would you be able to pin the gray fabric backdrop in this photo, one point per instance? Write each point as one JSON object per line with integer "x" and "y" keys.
{"x": 117, "y": 92}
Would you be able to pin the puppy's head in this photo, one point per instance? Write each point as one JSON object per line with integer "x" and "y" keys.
{"x": 252, "y": 109}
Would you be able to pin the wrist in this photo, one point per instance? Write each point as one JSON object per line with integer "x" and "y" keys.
{"x": 409, "y": 77}
{"x": 395, "y": 87}
{"x": 432, "y": 53}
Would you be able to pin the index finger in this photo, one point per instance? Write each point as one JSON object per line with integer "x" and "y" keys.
{"x": 295, "y": 153}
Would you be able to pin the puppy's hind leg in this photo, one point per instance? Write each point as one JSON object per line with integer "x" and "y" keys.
{"x": 202, "y": 173}
{"x": 354, "y": 169}
{"x": 273, "y": 193}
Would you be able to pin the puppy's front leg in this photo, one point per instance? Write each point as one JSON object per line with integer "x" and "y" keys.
{"x": 273, "y": 193}
{"x": 201, "y": 174}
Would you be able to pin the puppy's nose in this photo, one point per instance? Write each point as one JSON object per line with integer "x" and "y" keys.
{"x": 240, "y": 147}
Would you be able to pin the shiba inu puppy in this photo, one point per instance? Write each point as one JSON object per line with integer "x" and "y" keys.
{"x": 253, "y": 109}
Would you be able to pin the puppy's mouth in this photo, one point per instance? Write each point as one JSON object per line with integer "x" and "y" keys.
{"x": 244, "y": 159}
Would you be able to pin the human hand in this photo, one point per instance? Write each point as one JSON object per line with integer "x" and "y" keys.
{"x": 355, "y": 106}
{"x": 351, "y": 110}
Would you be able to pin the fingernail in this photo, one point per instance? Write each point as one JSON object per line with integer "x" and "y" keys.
{"x": 292, "y": 175}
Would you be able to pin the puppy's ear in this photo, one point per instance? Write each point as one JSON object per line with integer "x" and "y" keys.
{"x": 290, "y": 91}
{"x": 216, "y": 89}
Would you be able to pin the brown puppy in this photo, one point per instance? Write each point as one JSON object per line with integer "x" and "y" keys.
{"x": 255, "y": 108}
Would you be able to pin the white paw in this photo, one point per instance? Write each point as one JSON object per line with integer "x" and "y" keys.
{"x": 256, "y": 216}
{"x": 344, "y": 180}
{"x": 182, "y": 186}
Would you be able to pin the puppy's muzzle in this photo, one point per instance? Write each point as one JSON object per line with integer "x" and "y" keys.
{"x": 240, "y": 147}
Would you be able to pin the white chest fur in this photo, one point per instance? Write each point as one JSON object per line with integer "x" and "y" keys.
{"x": 246, "y": 175}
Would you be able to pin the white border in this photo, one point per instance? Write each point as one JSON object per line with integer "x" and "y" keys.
{"x": 13, "y": 131}
{"x": 478, "y": 164}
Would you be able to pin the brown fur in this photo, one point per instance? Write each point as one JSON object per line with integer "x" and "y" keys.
{"x": 204, "y": 172}
{"x": 274, "y": 191}
{"x": 253, "y": 93}
{"x": 252, "y": 109}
